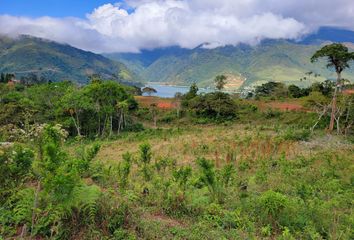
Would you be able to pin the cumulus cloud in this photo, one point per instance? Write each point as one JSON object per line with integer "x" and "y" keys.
{"x": 146, "y": 24}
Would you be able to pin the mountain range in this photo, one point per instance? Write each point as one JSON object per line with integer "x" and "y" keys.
{"x": 244, "y": 65}
{"x": 271, "y": 60}
{"x": 26, "y": 55}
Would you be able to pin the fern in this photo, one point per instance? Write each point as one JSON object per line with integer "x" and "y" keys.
{"x": 22, "y": 203}
{"x": 124, "y": 170}
{"x": 85, "y": 159}
{"x": 86, "y": 201}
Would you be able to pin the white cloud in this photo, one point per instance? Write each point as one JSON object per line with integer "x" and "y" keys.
{"x": 187, "y": 23}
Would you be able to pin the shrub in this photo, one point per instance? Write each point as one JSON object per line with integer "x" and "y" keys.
{"x": 271, "y": 113}
{"x": 124, "y": 170}
{"x": 272, "y": 204}
{"x": 145, "y": 159}
{"x": 15, "y": 165}
{"x": 217, "y": 105}
{"x": 296, "y": 134}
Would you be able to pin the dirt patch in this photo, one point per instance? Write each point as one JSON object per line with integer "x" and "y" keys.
{"x": 234, "y": 81}
{"x": 285, "y": 106}
{"x": 282, "y": 106}
{"x": 165, "y": 220}
{"x": 161, "y": 103}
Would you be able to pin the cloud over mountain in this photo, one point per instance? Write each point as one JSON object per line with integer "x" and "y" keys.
{"x": 142, "y": 24}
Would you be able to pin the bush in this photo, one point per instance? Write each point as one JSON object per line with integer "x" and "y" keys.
{"x": 271, "y": 113}
{"x": 296, "y": 134}
{"x": 271, "y": 206}
{"x": 15, "y": 165}
{"x": 217, "y": 105}
{"x": 135, "y": 127}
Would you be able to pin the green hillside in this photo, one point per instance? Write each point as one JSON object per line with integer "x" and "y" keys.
{"x": 56, "y": 62}
{"x": 281, "y": 60}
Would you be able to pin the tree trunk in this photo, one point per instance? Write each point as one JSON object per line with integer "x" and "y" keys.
{"x": 104, "y": 126}
{"x": 319, "y": 118}
{"x": 76, "y": 124}
{"x": 111, "y": 125}
{"x": 120, "y": 121}
{"x": 99, "y": 126}
{"x": 334, "y": 103}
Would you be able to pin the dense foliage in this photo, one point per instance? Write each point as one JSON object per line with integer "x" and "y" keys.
{"x": 96, "y": 109}
{"x": 34, "y": 58}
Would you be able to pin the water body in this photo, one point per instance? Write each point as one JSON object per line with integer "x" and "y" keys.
{"x": 169, "y": 91}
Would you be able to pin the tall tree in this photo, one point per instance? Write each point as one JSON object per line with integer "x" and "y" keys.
{"x": 2, "y": 78}
{"x": 220, "y": 82}
{"x": 122, "y": 107}
{"x": 338, "y": 57}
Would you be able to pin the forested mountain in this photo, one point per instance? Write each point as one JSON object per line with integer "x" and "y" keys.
{"x": 53, "y": 61}
{"x": 272, "y": 60}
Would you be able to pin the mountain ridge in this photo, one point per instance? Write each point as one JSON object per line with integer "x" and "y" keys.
{"x": 271, "y": 60}
{"x": 56, "y": 61}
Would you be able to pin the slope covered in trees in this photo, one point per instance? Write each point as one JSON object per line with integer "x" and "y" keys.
{"x": 25, "y": 55}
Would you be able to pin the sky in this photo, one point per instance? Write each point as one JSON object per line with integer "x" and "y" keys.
{"x": 133, "y": 25}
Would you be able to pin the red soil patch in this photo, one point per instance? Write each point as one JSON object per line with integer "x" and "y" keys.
{"x": 162, "y": 103}
{"x": 168, "y": 103}
{"x": 348, "y": 91}
{"x": 282, "y": 106}
{"x": 286, "y": 106}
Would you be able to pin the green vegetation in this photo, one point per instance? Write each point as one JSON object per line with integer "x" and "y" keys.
{"x": 42, "y": 60}
{"x": 94, "y": 162}
{"x": 338, "y": 57}
{"x": 279, "y": 61}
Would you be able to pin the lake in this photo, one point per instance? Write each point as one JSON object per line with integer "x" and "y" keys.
{"x": 169, "y": 91}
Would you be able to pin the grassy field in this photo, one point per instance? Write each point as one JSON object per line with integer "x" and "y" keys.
{"x": 258, "y": 172}
{"x": 313, "y": 177}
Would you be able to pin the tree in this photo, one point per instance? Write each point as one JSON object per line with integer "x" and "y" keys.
{"x": 75, "y": 103}
{"x": 294, "y": 91}
{"x": 122, "y": 108}
{"x": 220, "y": 82}
{"x": 2, "y": 78}
{"x": 338, "y": 57}
{"x": 215, "y": 105}
{"x": 149, "y": 90}
{"x": 192, "y": 93}
{"x": 271, "y": 89}
{"x": 153, "y": 110}
{"x": 178, "y": 97}
{"x": 105, "y": 95}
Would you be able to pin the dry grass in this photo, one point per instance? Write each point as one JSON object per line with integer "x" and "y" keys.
{"x": 222, "y": 144}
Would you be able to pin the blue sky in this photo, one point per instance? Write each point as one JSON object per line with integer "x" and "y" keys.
{"x": 53, "y": 8}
